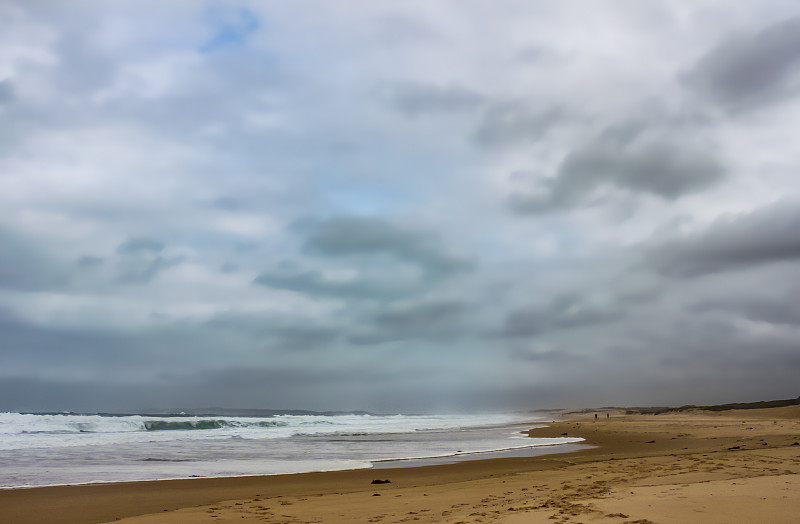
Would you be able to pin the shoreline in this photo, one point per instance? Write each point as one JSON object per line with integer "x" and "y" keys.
{"x": 535, "y": 450}
{"x": 516, "y": 442}
{"x": 376, "y": 464}
{"x": 684, "y": 467}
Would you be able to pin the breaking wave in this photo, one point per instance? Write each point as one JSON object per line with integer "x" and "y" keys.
{"x": 32, "y": 424}
{"x": 168, "y": 425}
{"x": 27, "y": 431}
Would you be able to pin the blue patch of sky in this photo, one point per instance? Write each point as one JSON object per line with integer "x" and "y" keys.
{"x": 231, "y": 28}
{"x": 359, "y": 199}
{"x": 369, "y": 180}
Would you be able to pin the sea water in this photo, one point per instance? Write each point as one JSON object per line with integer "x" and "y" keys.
{"x": 53, "y": 449}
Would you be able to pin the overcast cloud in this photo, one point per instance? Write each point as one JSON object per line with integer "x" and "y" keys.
{"x": 398, "y": 206}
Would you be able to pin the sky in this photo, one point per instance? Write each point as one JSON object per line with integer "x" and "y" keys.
{"x": 398, "y": 206}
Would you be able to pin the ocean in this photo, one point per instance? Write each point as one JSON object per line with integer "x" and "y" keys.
{"x": 57, "y": 449}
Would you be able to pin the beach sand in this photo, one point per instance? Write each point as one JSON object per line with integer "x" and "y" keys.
{"x": 736, "y": 466}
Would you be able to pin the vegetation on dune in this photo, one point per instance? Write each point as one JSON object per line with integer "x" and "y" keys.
{"x": 719, "y": 407}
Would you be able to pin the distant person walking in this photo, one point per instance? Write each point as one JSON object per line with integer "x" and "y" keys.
{"x": 595, "y": 416}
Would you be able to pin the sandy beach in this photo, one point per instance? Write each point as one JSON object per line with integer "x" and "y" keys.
{"x": 700, "y": 466}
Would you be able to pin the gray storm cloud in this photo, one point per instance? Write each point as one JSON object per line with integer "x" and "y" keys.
{"x": 24, "y": 266}
{"x": 351, "y": 236}
{"x": 768, "y": 235}
{"x": 514, "y": 124}
{"x": 314, "y": 283}
{"x": 640, "y": 157}
{"x": 416, "y": 100}
{"x": 564, "y": 312}
{"x": 751, "y": 69}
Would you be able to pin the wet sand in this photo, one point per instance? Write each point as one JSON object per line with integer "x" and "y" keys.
{"x": 690, "y": 467}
